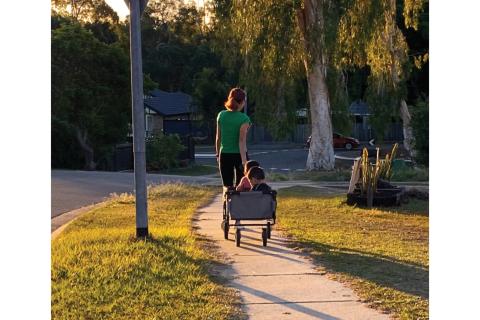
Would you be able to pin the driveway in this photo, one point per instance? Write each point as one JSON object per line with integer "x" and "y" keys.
{"x": 75, "y": 189}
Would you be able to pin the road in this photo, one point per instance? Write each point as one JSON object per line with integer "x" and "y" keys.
{"x": 74, "y": 189}
{"x": 282, "y": 159}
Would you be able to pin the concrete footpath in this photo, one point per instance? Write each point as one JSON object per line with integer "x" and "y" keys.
{"x": 277, "y": 282}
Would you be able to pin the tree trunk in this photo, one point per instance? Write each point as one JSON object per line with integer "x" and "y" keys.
{"x": 407, "y": 129}
{"x": 87, "y": 150}
{"x": 320, "y": 155}
{"x": 310, "y": 21}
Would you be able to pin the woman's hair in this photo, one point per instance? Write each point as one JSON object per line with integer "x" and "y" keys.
{"x": 250, "y": 164}
{"x": 256, "y": 172}
{"x": 235, "y": 99}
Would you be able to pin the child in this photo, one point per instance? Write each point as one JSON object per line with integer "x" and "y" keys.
{"x": 244, "y": 184}
{"x": 256, "y": 175}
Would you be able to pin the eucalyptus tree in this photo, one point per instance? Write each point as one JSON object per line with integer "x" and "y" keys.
{"x": 327, "y": 36}
{"x": 369, "y": 35}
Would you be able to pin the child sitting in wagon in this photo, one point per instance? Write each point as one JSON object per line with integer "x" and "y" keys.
{"x": 256, "y": 176}
{"x": 244, "y": 184}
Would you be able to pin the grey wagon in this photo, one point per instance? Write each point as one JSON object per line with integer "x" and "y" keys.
{"x": 245, "y": 208}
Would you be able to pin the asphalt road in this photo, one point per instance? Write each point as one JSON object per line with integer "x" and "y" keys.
{"x": 75, "y": 189}
{"x": 282, "y": 159}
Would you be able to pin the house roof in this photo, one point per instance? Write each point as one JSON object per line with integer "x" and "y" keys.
{"x": 169, "y": 103}
{"x": 359, "y": 108}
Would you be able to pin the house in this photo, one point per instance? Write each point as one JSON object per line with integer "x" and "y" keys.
{"x": 168, "y": 113}
{"x": 360, "y": 112}
{"x": 362, "y": 129}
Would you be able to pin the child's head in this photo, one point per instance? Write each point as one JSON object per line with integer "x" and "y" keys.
{"x": 249, "y": 165}
{"x": 256, "y": 175}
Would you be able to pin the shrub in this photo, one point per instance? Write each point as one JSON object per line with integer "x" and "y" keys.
{"x": 419, "y": 125}
{"x": 162, "y": 151}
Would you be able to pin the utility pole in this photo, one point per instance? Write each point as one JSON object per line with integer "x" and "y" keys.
{"x": 138, "y": 117}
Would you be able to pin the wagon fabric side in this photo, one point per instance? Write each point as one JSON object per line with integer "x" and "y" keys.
{"x": 253, "y": 205}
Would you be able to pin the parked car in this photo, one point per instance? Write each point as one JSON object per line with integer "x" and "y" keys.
{"x": 339, "y": 141}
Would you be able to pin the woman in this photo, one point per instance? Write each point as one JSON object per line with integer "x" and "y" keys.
{"x": 231, "y": 140}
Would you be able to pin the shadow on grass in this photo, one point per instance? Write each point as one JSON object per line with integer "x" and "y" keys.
{"x": 381, "y": 270}
{"x": 411, "y": 207}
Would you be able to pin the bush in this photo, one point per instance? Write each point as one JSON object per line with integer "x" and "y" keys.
{"x": 420, "y": 131}
{"x": 66, "y": 152}
{"x": 162, "y": 152}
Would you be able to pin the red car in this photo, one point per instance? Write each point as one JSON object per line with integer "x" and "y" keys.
{"x": 340, "y": 141}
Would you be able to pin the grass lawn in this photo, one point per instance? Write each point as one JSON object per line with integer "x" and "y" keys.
{"x": 342, "y": 174}
{"x": 194, "y": 170}
{"x": 100, "y": 271}
{"x": 381, "y": 253}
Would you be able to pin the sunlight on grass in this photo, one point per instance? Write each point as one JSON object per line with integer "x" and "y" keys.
{"x": 100, "y": 271}
{"x": 382, "y": 253}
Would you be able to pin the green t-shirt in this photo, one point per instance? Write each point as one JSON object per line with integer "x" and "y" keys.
{"x": 230, "y": 123}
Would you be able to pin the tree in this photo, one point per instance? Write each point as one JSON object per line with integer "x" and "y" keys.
{"x": 85, "y": 10}
{"x": 90, "y": 90}
{"x": 209, "y": 95}
{"x": 335, "y": 36}
{"x": 279, "y": 36}
{"x": 370, "y": 34}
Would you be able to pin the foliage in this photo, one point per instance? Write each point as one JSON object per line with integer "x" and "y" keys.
{"x": 420, "y": 131}
{"x": 269, "y": 44}
{"x": 90, "y": 89}
{"x": 385, "y": 165}
{"x": 86, "y": 10}
{"x": 209, "y": 94}
{"x": 65, "y": 146}
{"x": 381, "y": 253}
{"x": 373, "y": 35}
{"x": 162, "y": 151}
{"x": 99, "y": 271}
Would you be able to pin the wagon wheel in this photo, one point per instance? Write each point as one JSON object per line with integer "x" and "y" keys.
{"x": 264, "y": 236}
{"x": 225, "y": 228}
{"x": 224, "y": 212}
{"x": 237, "y": 237}
{"x": 269, "y": 230}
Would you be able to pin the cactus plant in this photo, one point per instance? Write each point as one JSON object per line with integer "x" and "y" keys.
{"x": 370, "y": 174}
{"x": 386, "y": 165}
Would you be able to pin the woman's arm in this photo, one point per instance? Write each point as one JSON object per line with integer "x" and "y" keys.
{"x": 242, "y": 142}
{"x": 217, "y": 141}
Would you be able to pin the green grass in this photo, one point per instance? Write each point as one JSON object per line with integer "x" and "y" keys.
{"x": 381, "y": 253}
{"x": 100, "y": 271}
{"x": 336, "y": 175}
{"x": 410, "y": 174}
{"x": 340, "y": 174}
{"x": 195, "y": 170}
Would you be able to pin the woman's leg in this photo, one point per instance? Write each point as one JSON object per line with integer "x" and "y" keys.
{"x": 238, "y": 168}
{"x": 226, "y": 165}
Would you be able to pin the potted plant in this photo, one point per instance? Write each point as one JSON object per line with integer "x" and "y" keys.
{"x": 370, "y": 183}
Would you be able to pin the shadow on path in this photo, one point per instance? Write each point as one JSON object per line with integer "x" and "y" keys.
{"x": 289, "y": 304}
